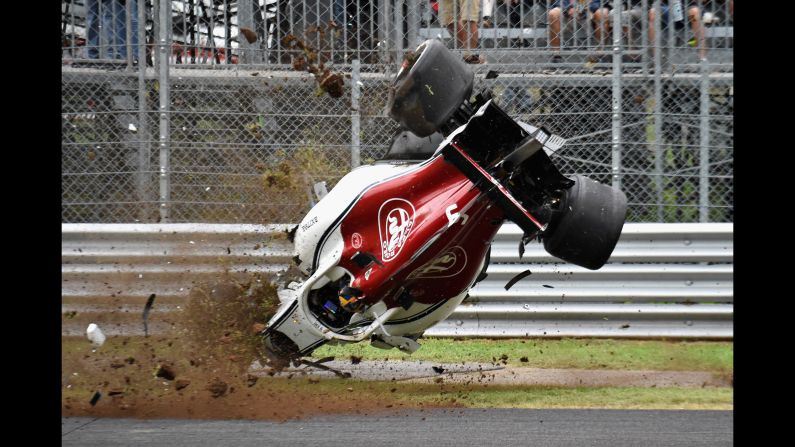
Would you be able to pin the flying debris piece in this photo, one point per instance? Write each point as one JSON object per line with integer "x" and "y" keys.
{"x": 147, "y": 307}
{"x": 94, "y": 333}
{"x": 438, "y": 369}
{"x": 166, "y": 372}
{"x": 250, "y": 35}
{"x": 492, "y": 74}
{"x": 547, "y": 286}
{"x": 517, "y": 278}
{"x": 318, "y": 365}
{"x": 523, "y": 242}
{"x": 95, "y": 398}
{"x": 321, "y": 190}
{"x": 291, "y": 233}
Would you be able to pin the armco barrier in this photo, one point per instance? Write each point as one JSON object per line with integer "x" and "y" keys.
{"x": 663, "y": 280}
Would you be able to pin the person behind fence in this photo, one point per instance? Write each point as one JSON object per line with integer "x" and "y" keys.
{"x": 461, "y": 17}
{"x": 338, "y": 12}
{"x": 631, "y": 11}
{"x": 675, "y": 8}
{"x": 525, "y": 14}
{"x": 109, "y": 17}
{"x": 557, "y": 9}
{"x": 602, "y": 16}
{"x": 487, "y": 10}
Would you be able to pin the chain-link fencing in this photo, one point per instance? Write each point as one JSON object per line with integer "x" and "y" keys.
{"x": 226, "y": 111}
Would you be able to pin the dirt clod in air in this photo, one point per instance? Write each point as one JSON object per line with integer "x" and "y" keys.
{"x": 116, "y": 364}
{"x": 313, "y": 60}
{"x": 220, "y": 319}
{"x": 166, "y": 371}
{"x": 251, "y": 380}
{"x": 181, "y": 384}
{"x": 249, "y": 34}
{"x": 217, "y": 387}
{"x": 355, "y": 360}
{"x": 299, "y": 64}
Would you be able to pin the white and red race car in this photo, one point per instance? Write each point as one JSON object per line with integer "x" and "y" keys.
{"x": 395, "y": 246}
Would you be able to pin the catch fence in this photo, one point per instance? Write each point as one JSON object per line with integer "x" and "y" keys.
{"x": 203, "y": 110}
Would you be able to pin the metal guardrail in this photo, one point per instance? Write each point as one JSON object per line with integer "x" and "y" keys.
{"x": 663, "y": 280}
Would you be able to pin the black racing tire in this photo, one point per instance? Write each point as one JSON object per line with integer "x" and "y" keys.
{"x": 429, "y": 88}
{"x": 586, "y": 227}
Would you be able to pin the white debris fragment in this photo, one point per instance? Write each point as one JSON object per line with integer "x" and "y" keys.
{"x": 132, "y": 128}
{"x": 191, "y": 242}
{"x": 94, "y": 333}
{"x": 140, "y": 275}
{"x": 206, "y": 189}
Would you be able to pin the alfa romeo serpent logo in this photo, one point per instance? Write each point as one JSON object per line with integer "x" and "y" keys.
{"x": 395, "y": 220}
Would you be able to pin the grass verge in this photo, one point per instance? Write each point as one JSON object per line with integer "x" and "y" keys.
{"x": 565, "y": 353}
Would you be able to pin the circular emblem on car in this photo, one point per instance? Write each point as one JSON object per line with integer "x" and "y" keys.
{"x": 356, "y": 240}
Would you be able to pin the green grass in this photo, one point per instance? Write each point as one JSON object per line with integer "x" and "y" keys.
{"x": 528, "y": 396}
{"x": 606, "y": 397}
{"x": 565, "y": 353}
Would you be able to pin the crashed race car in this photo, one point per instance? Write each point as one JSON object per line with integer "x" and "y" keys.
{"x": 395, "y": 246}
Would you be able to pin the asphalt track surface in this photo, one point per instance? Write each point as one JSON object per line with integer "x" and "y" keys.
{"x": 436, "y": 428}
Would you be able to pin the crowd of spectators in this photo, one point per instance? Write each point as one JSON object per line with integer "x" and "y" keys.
{"x": 106, "y": 21}
{"x": 594, "y": 16}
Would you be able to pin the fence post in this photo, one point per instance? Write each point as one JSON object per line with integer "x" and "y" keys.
{"x": 398, "y": 18}
{"x": 383, "y": 31}
{"x": 164, "y": 44}
{"x": 128, "y": 49}
{"x": 413, "y": 18}
{"x": 703, "y": 181}
{"x": 644, "y": 37}
{"x": 658, "y": 155}
{"x": 355, "y": 115}
{"x": 616, "y": 159}
{"x": 143, "y": 125}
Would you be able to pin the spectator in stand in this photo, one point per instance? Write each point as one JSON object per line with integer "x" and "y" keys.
{"x": 338, "y": 12}
{"x": 461, "y": 18}
{"x": 602, "y": 19}
{"x": 525, "y": 14}
{"x": 112, "y": 15}
{"x": 693, "y": 15}
{"x": 556, "y": 11}
{"x": 631, "y": 10}
{"x": 487, "y": 9}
